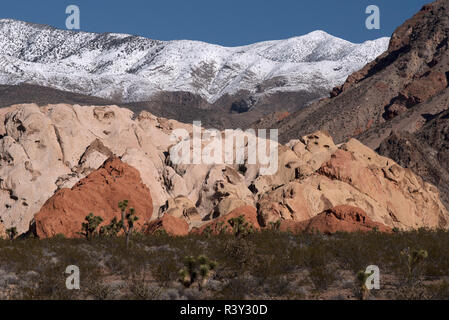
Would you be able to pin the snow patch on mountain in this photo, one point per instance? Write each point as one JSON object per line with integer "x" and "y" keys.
{"x": 131, "y": 68}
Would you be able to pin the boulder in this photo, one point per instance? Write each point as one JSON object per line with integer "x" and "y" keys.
{"x": 182, "y": 208}
{"x": 172, "y": 225}
{"x": 99, "y": 193}
{"x": 288, "y": 162}
{"x": 31, "y": 160}
{"x": 338, "y": 219}
{"x": 217, "y": 225}
{"x": 312, "y": 150}
{"x": 223, "y": 190}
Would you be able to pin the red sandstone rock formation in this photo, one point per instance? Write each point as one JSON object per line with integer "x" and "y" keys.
{"x": 338, "y": 219}
{"x": 215, "y": 226}
{"x": 171, "y": 225}
{"x": 99, "y": 193}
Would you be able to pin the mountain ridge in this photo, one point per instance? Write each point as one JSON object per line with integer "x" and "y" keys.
{"x": 133, "y": 68}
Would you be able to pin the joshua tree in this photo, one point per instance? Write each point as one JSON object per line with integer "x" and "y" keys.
{"x": 414, "y": 258}
{"x": 12, "y": 233}
{"x": 128, "y": 219}
{"x": 240, "y": 227}
{"x": 89, "y": 228}
{"x": 362, "y": 276}
{"x": 275, "y": 226}
{"x": 220, "y": 228}
{"x": 112, "y": 229}
{"x": 196, "y": 270}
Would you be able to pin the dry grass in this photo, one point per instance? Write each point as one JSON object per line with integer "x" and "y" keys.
{"x": 266, "y": 265}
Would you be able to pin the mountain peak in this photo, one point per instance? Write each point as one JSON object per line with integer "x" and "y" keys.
{"x": 319, "y": 34}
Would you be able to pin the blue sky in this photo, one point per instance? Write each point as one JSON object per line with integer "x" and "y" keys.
{"x": 225, "y": 22}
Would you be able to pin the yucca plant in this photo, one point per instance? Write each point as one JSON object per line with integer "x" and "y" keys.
{"x": 89, "y": 228}
{"x": 128, "y": 219}
{"x": 240, "y": 227}
{"x": 414, "y": 258}
{"x": 275, "y": 226}
{"x": 196, "y": 270}
{"x": 112, "y": 229}
{"x": 362, "y": 277}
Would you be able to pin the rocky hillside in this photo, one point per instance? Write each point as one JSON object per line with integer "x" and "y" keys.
{"x": 54, "y": 155}
{"x": 398, "y": 102}
{"x": 182, "y": 106}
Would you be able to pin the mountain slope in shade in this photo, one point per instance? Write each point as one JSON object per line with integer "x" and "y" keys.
{"x": 129, "y": 68}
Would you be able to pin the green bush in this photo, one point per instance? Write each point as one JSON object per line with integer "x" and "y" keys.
{"x": 11, "y": 233}
{"x": 89, "y": 228}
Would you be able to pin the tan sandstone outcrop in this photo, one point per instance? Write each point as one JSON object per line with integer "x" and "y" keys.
{"x": 43, "y": 149}
{"x": 357, "y": 176}
{"x": 46, "y": 149}
{"x": 2, "y": 231}
{"x": 182, "y": 208}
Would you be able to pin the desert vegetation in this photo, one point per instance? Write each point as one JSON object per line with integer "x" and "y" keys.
{"x": 230, "y": 265}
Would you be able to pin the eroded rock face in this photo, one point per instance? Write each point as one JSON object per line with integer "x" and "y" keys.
{"x": 43, "y": 149}
{"x": 356, "y": 175}
{"x": 338, "y": 219}
{"x": 409, "y": 201}
{"x": 31, "y": 160}
{"x": 99, "y": 193}
{"x": 182, "y": 208}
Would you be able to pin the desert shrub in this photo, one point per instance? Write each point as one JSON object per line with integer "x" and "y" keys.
{"x": 278, "y": 286}
{"x": 362, "y": 289}
{"x": 142, "y": 289}
{"x": 262, "y": 265}
{"x": 413, "y": 260}
{"x": 322, "y": 277}
{"x": 11, "y": 233}
{"x": 49, "y": 285}
{"x": 239, "y": 288}
{"x": 240, "y": 252}
{"x": 165, "y": 268}
{"x": 439, "y": 291}
{"x": 101, "y": 291}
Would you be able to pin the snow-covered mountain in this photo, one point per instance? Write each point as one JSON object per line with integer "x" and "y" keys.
{"x": 131, "y": 68}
